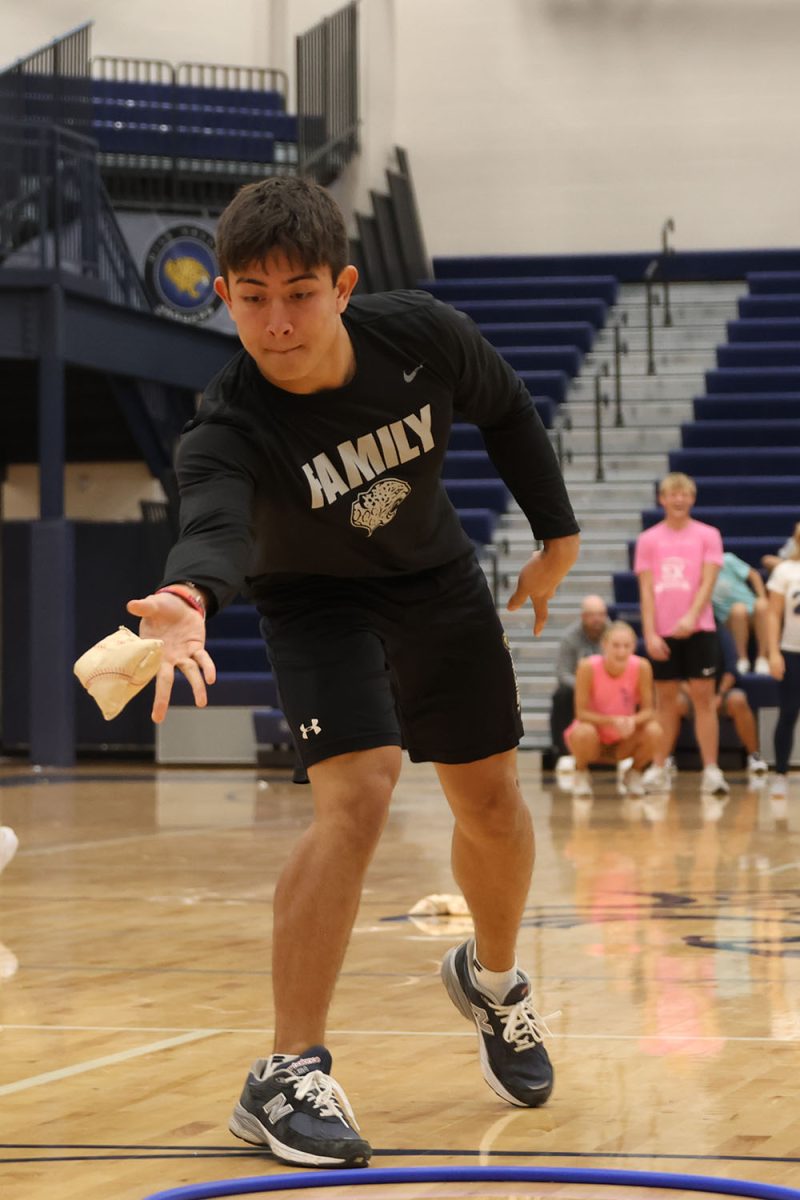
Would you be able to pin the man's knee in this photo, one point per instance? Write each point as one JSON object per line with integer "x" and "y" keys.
{"x": 353, "y": 791}
{"x": 486, "y": 799}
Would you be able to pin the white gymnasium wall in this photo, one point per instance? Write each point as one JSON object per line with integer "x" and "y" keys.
{"x": 533, "y": 125}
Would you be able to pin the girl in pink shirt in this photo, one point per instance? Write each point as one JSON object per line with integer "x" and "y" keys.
{"x": 614, "y": 716}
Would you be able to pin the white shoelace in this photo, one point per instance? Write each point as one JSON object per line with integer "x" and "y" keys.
{"x": 326, "y": 1095}
{"x": 523, "y": 1026}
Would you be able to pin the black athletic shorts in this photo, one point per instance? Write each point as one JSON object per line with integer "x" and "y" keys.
{"x": 694, "y": 657}
{"x": 419, "y": 661}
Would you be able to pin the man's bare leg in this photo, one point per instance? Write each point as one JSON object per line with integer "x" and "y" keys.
{"x": 318, "y": 893}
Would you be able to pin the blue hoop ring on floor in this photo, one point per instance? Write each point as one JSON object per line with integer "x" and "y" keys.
{"x": 362, "y": 1177}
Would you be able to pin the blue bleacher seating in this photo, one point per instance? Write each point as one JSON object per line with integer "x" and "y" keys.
{"x": 773, "y": 282}
{"x": 733, "y": 460}
{"x": 739, "y": 521}
{"x": 468, "y": 464}
{"x": 750, "y": 433}
{"x": 753, "y": 379}
{"x": 477, "y": 493}
{"x": 759, "y": 354}
{"x": 252, "y": 689}
{"x": 731, "y": 406}
{"x": 760, "y": 307}
{"x": 764, "y": 329}
{"x": 542, "y": 333}
{"x": 592, "y": 312}
{"x": 455, "y": 290}
{"x": 770, "y": 489}
{"x": 543, "y": 358}
{"x": 546, "y": 383}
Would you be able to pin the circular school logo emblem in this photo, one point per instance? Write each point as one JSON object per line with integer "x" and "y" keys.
{"x": 179, "y": 272}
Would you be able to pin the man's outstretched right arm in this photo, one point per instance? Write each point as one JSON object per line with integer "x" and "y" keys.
{"x": 207, "y": 565}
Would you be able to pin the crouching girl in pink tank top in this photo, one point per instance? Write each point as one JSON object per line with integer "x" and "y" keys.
{"x": 614, "y": 714}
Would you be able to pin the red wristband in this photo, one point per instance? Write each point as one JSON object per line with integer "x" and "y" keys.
{"x": 187, "y": 599}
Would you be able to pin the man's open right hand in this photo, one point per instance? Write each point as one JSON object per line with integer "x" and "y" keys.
{"x": 183, "y": 632}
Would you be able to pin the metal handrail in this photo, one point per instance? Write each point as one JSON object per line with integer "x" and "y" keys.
{"x": 600, "y": 402}
{"x": 269, "y": 79}
{"x": 667, "y": 228}
{"x": 561, "y": 424}
{"x": 651, "y": 301}
{"x": 58, "y": 214}
{"x": 620, "y": 348}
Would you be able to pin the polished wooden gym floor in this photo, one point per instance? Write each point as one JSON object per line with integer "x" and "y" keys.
{"x": 135, "y": 984}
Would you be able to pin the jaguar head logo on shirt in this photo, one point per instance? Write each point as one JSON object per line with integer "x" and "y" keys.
{"x": 378, "y": 504}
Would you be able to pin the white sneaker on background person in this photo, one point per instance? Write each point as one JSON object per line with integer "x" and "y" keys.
{"x": 756, "y": 764}
{"x": 656, "y": 779}
{"x": 779, "y": 787}
{"x": 761, "y": 666}
{"x": 743, "y": 666}
{"x": 582, "y": 784}
{"x": 633, "y": 782}
{"x": 713, "y": 782}
{"x": 565, "y": 764}
{"x": 8, "y": 845}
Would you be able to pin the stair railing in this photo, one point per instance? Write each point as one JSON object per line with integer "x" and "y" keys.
{"x": 561, "y": 424}
{"x": 600, "y": 402}
{"x": 651, "y": 300}
{"x": 666, "y": 250}
{"x": 620, "y": 348}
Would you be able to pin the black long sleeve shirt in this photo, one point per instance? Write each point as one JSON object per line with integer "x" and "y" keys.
{"x": 347, "y": 482}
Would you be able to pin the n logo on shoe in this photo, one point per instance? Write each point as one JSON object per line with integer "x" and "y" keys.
{"x": 482, "y": 1018}
{"x": 277, "y": 1107}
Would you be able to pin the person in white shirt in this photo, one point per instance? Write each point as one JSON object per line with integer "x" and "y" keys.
{"x": 783, "y": 634}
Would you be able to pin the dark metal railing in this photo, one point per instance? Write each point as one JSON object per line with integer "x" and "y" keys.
{"x": 651, "y": 300}
{"x": 55, "y": 213}
{"x": 52, "y": 84}
{"x": 657, "y": 270}
{"x": 600, "y": 402}
{"x": 132, "y": 70}
{"x": 562, "y": 424}
{"x": 620, "y": 348}
{"x": 666, "y": 250}
{"x": 327, "y": 95}
{"x": 220, "y": 75}
{"x": 66, "y": 55}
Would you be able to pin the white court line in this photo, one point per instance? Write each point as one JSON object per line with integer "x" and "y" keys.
{"x": 93, "y": 1063}
{"x": 377, "y": 1033}
{"x": 102, "y": 843}
{"x": 784, "y": 867}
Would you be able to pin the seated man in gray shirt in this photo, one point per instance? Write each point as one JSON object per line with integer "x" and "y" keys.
{"x": 580, "y": 640}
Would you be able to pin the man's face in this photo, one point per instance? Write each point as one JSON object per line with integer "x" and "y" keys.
{"x": 289, "y": 321}
{"x": 677, "y": 503}
{"x": 594, "y": 621}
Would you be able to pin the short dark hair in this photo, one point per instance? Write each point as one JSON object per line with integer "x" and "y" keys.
{"x": 285, "y": 213}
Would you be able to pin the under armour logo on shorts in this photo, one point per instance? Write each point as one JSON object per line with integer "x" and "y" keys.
{"x": 314, "y": 727}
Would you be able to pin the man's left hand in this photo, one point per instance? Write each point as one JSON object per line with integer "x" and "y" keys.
{"x": 541, "y": 575}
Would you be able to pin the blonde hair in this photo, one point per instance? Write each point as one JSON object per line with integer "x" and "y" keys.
{"x": 618, "y": 627}
{"x": 676, "y": 481}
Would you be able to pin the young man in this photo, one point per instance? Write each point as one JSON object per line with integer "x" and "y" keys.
{"x": 614, "y": 714}
{"x": 677, "y": 562}
{"x": 310, "y": 479}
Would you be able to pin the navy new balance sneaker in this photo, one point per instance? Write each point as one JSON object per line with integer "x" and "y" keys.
{"x": 294, "y": 1107}
{"x": 514, "y": 1061}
